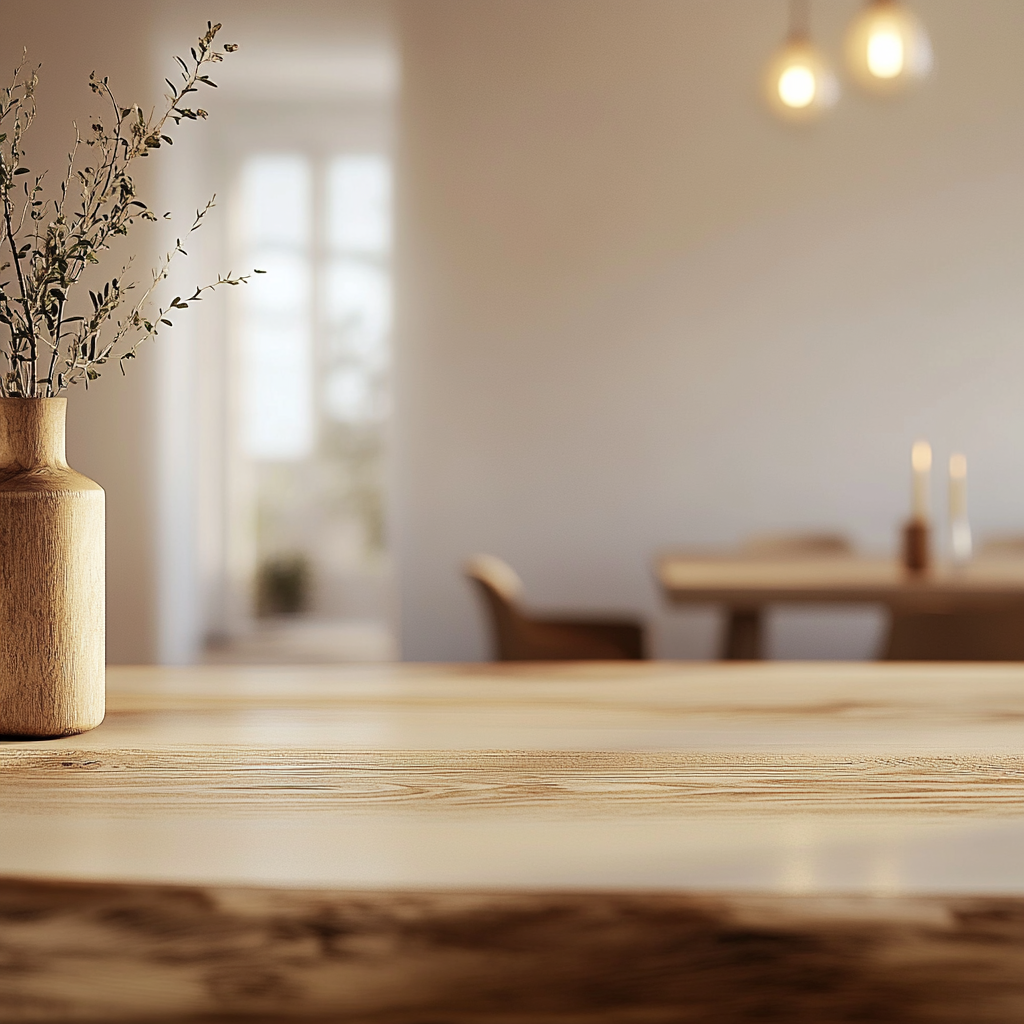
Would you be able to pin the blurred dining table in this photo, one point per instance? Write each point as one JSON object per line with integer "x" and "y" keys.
{"x": 746, "y": 585}
{"x": 563, "y": 843}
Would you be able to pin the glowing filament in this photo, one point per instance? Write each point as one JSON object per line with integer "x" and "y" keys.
{"x": 797, "y": 86}
{"x": 885, "y": 53}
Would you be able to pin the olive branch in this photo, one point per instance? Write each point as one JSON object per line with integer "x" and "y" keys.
{"x": 49, "y": 243}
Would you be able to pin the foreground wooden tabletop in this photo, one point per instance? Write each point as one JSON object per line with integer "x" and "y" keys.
{"x": 631, "y": 842}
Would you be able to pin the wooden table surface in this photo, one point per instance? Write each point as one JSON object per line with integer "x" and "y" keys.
{"x": 746, "y": 585}
{"x": 750, "y": 582}
{"x": 546, "y": 842}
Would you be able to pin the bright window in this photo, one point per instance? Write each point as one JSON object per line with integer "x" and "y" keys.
{"x": 276, "y": 364}
{"x": 314, "y": 367}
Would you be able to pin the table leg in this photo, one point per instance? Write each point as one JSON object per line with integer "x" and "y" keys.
{"x": 742, "y": 635}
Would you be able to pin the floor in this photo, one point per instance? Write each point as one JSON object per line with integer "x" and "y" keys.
{"x": 295, "y": 640}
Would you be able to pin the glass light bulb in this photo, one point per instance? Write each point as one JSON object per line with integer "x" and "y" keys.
{"x": 885, "y": 53}
{"x": 797, "y": 86}
{"x": 887, "y": 47}
{"x": 798, "y": 83}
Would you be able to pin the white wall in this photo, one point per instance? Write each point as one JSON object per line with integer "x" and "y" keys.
{"x": 635, "y": 312}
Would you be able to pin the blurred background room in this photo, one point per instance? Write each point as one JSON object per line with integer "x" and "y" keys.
{"x": 549, "y": 279}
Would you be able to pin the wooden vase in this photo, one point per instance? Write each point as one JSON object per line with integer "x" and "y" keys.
{"x": 51, "y": 578}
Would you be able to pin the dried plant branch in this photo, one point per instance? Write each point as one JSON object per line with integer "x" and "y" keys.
{"x": 53, "y": 241}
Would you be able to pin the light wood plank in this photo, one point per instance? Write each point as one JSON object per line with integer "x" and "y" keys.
{"x": 558, "y": 843}
{"x": 179, "y": 781}
{"x": 789, "y": 778}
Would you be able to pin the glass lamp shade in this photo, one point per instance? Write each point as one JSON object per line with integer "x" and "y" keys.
{"x": 887, "y": 48}
{"x": 799, "y": 85}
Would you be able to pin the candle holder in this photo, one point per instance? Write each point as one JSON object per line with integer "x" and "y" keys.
{"x": 917, "y": 546}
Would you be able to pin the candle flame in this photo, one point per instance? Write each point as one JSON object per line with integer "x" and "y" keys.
{"x": 958, "y": 466}
{"x": 921, "y": 456}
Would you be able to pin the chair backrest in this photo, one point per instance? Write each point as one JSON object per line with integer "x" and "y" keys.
{"x": 496, "y": 574}
{"x": 1009, "y": 545}
{"x": 501, "y": 588}
{"x": 521, "y": 637}
{"x": 797, "y": 545}
{"x": 987, "y": 635}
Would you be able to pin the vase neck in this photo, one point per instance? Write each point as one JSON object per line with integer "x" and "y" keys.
{"x": 32, "y": 432}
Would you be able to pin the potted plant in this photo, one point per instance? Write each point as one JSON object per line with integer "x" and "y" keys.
{"x": 60, "y": 326}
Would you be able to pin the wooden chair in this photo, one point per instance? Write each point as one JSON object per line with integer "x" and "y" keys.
{"x": 956, "y": 636}
{"x": 1002, "y": 545}
{"x": 996, "y": 635}
{"x": 797, "y": 545}
{"x": 521, "y": 637}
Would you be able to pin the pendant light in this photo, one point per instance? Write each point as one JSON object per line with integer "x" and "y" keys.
{"x": 887, "y": 47}
{"x": 799, "y": 85}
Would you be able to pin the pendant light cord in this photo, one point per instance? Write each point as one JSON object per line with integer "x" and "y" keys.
{"x": 799, "y": 19}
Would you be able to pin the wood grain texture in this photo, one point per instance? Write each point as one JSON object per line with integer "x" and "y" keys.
{"x": 141, "y": 953}
{"x": 241, "y": 782}
{"x": 620, "y": 843}
{"x": 51, "y": 578}
{"x": 784, "y": 778}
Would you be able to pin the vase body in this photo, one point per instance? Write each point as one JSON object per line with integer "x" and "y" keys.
{"x": 52, "y": 591}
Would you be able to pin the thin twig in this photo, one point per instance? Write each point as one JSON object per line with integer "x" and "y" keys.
{"x": 54, "y": 259}
{"x": 12, "y": 242}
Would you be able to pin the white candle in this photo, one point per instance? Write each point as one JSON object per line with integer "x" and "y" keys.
{"x": 957, "y": 487}
{"x": 960, "y": 528}
{"x": 921, "y": 461}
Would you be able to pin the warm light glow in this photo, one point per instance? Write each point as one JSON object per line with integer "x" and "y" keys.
{"x": 798, "y": 83}
{"x": 887, "y": 47}
{"x": 885, "y": 53}
{"x": 797, "y": 86}
{"x": 958, "y": 466}
{"x": 921, "y": 456}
